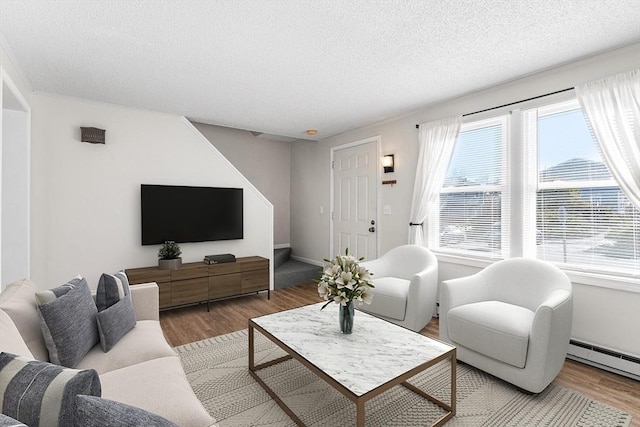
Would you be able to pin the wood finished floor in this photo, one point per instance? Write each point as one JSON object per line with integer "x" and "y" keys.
{"x": 185, "y": 325}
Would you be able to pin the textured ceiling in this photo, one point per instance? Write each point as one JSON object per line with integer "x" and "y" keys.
{"x": 282, "y": 66}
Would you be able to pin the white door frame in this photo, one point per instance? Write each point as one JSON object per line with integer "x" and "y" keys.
{"x": 19, "y": 105}
{"x": 378, "y": 140}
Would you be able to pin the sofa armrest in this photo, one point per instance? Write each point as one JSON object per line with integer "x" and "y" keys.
{"x": 146, "y": 303}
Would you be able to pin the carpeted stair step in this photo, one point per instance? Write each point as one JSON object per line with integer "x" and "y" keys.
{"x": 280, "y": 256}
{"x": 292, "y": 272}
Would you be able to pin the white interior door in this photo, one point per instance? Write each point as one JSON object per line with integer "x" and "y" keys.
{"x": 355, "y": 199}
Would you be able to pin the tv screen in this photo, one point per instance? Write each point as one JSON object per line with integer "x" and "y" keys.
{"x": 190, "y": 214}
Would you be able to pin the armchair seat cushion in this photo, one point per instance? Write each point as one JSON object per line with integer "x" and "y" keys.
{"x": 390, "y": 297}
{"x": 493, "y": 328}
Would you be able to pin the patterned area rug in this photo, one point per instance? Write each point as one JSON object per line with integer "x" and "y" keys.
{"x": 217, "y": 371}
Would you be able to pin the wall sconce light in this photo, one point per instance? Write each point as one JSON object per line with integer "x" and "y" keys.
{"x": 387, "y": 163}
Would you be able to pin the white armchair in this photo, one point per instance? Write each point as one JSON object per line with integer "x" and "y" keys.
{"x": 406, "y": 283}
{"x": 512, "y": 320}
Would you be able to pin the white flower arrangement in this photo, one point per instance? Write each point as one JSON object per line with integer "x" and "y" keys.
{"x": 344, "y": 281}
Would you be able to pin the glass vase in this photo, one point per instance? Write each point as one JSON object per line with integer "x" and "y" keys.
{"x": 346, "y": 318}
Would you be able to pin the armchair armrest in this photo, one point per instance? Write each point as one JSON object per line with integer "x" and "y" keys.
{"x": 464, "y": 290}
{"x": 421, "y": 299}
{"x": 550, "y": 333}
{"x": 556, "y": 310}
{"x": 146, "y": 303}
{"x": 556, "y": 299}
{"x": 428, "y": 275}
{"x": 457, "y": 292}
{"x": 377, "y": 267}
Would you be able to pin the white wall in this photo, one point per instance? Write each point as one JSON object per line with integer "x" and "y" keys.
{"x": 310, "y": 190}
{"x": 85, "y": 198}
{"x": 606, "y": 317}
{"x": 264, "y": 163}
{"x": 14, "y": 170}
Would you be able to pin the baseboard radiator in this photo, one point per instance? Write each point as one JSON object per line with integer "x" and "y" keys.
{"x": 603, "y": 358}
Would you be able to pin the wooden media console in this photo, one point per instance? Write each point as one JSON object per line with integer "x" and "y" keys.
{"x": 197, "y": 282}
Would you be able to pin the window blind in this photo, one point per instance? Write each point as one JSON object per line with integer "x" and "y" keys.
{"x": 583, "y": 219}
{"x": 474, "y": 202}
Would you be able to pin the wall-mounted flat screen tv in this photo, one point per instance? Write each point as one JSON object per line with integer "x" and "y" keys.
{"x": 190, "y": 214}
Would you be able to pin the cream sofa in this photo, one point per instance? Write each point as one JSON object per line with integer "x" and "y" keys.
{"x": 141, "y": 370}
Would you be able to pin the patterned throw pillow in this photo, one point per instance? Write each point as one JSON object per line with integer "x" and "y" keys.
{"x": 68, "y": 321}
{"x": 41, "y": 393}
{"x": 116, "y": 316}
{"x": 111, "y": 289}
{"x": 7, "y": 421}
{"x": 96, "y": 412}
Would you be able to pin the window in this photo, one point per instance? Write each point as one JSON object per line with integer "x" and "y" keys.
{"x": 583, "y": 219}
{"x": 474, "y": 201}
{"x": 539, "y": 188}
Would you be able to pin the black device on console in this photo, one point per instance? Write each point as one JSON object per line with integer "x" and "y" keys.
{"x": 219, "y": 259}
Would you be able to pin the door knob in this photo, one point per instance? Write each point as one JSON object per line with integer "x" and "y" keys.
{"x": 373, "y": 222}
{"x": 372, "y": 229}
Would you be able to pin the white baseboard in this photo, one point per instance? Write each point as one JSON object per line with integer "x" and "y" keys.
{"x": 308, "y": 261}
{"x": 282, "y": 245}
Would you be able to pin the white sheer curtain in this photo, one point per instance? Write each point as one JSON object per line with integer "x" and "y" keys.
{"x": 612, "y": 107}
{"x": 436, "y": 140}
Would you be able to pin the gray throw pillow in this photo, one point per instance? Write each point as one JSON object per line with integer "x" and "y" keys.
{"x": 96, "y": 412}
{"x": 68, "y": 321}
{"x": 116, "y": 316}
{"x": 41, "y": 393}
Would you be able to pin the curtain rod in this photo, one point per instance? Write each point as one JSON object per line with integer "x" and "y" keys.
{"x": 513, "y": 103}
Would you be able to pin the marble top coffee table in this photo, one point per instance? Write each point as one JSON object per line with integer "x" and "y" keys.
{"x": 381, "y": 355}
